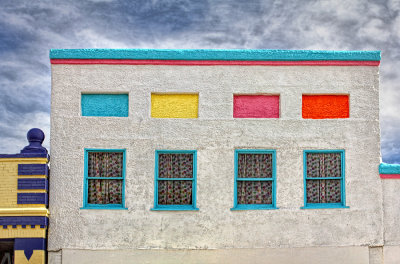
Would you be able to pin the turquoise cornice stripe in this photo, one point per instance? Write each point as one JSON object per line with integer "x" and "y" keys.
{"x": 216, "y": 54}
{"x": 385, "y": 168}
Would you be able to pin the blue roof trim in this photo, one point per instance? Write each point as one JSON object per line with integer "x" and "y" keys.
{"x": 385, "y": 168}
{"x": 216, "y": 54}
{"x": 25, "y": 155}
{"x": 24, "y": 220}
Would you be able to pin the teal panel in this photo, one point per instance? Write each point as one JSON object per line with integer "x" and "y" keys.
{"x": 105, "y": 105}
{"x": 215, "y": 54}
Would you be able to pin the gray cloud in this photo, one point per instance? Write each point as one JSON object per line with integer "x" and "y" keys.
{"x": 30, "y": 28}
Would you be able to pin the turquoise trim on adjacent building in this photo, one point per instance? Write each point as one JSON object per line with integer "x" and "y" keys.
{"x": 215, "y": 54}
{"x": 385, "y": 168}
{"x": 192, "y": 207}
{"x": 105, "y": 105}
{"x": 86, "y": 205}
{"x": 342, "y": 182}
{"x": 238, "y": 207}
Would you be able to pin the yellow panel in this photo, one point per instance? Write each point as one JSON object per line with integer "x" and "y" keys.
{"x": 36, "y": 258}
{"x": 174, "y": 105}
{"x": 11, "y": 232}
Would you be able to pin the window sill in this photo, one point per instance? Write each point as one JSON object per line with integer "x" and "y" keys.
{"x": 253, "y": 207}
{"x": 103, "y": 207}
{"x": 174, "y": 208}
{"x": 324, "y": 206}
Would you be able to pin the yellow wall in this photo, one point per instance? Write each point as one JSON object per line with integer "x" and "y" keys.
{"x": 174, "y": 105}
{"x": 9, "y": 181}
{"x": 38, "y": 257}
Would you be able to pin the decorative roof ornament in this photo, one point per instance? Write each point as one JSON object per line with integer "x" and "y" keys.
{"x": 35, "y": 137}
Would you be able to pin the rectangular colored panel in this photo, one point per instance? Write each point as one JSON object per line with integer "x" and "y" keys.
{"x": 33, "y": 169}
{"x": 32, "y": 198}
{"x": 105, "y": 105}
{"x": 174, "y": 105}
{"x": 325, "y": 106}
{"x": 33, "y": 184}
{"x": 256, "y": 106}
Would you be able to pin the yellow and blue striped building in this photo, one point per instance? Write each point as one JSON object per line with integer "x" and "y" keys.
{"x": 24, "y": 203}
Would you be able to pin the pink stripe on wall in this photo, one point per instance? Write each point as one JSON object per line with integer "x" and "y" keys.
{"x": 211, "y": 63}
{"x": 390, "y": 176}
{"x": 256, "y": 106}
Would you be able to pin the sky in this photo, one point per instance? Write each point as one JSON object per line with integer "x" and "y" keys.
{"x": 29, "y": 29}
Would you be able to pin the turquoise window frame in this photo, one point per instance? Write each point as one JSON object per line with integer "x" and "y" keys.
{"x": 86, "y": 205}
{"x": 237, "y": 206}
{"x": 342, "y": 181}
{"x": 192, "y": 207}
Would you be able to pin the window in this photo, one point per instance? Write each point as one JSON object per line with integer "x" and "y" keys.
{"x": 104, "y": 179}
{"x": 175, "y": 180}
{"x": 255, "y": 174}
{"x": 324, "y": 179}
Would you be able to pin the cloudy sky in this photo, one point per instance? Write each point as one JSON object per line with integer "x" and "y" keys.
{"x": 28, "y": 29}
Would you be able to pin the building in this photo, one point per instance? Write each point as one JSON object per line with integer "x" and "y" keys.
{"x": 218, "y": 156}
{"x": 23, "y": 203}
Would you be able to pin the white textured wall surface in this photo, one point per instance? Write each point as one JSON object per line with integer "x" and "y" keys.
{"x": 391, "y": 199}
{"x": 215, "y": 135}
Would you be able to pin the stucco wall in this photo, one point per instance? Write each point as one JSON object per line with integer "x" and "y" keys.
{"x": 391, "y": 199}
{"x": 215, "y": 135}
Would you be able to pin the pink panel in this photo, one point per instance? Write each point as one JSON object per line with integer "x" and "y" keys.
{"x": 256, "y": 106}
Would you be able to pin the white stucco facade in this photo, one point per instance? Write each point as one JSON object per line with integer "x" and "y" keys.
{"x": 213, "y": 234}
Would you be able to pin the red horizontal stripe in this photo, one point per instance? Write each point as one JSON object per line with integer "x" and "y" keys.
{"x": 390, "y": 176}
{"x": 211, "y": 63}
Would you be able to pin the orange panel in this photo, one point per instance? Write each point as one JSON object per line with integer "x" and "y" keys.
{"x": 325, "y": 106}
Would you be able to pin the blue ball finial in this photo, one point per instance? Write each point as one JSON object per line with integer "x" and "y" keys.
{"x": 35, "y": 137}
